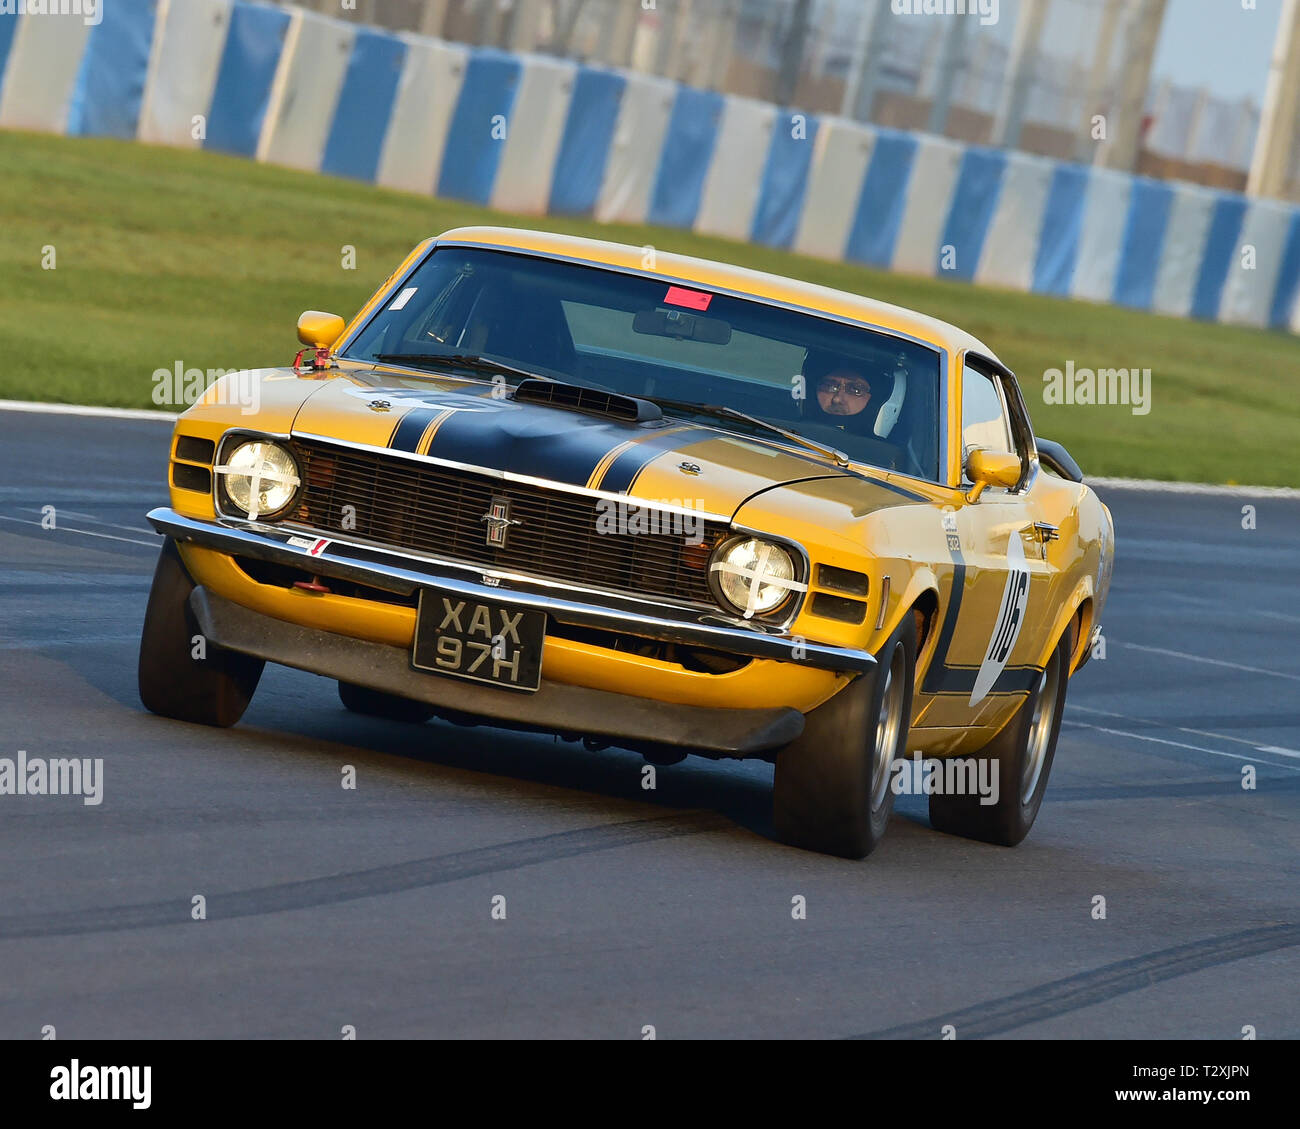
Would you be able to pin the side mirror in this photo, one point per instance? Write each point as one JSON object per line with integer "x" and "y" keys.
{"x": 318, "y": 330}
{"x": 991, "y": 468}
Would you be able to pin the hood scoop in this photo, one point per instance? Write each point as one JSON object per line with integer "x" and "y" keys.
{"x": 591, "y": 401}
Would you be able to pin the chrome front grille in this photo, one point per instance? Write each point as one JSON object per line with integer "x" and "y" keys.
{"x": 448, "y": 512}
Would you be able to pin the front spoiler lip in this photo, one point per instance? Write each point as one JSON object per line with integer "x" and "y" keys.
{"x": 620, "y": 719}
{"x": 361, "y": 564}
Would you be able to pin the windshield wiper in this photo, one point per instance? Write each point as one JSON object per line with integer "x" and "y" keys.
{"x": 475, "y": 362}
{"x": 723, "y": 412}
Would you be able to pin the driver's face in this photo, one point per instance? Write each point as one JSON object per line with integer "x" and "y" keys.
{"x": 843, "y": 392}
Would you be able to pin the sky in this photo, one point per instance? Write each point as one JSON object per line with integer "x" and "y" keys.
{"x": 1219, "y": 44}
{"x": 1222, "y": 44}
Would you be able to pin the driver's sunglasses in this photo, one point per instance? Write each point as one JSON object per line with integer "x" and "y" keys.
{"x": 853, "y": 388}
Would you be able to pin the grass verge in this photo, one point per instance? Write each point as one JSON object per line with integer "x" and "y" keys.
{"x": 167, "y": 255}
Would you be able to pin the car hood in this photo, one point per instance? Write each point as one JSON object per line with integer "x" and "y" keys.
{"x": 671, "y": 461}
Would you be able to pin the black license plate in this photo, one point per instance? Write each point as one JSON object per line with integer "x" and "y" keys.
{"x": 483, "y": 642}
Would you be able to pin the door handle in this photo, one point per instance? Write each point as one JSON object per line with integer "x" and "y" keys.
{"x": 1045, "y": 531}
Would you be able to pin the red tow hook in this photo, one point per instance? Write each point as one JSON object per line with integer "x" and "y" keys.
{"x": 312, "y": 585}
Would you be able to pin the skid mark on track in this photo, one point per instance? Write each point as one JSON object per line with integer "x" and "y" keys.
{"x": 1087, "y": 988}
{"x": 336, "y": 888}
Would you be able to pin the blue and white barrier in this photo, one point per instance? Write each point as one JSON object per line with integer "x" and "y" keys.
{"x": 42, "y": 70}
{"x": 536, "y": 135}
{"x": 427, "y": 94}
{"x": 188, "y": 43}
{"x": 840, "y": 153}
{"x": 533, "y": 135}
{"x": 729, "y": 196}
{"x": 306, "y": 90}
{"x": 634, "y": 150}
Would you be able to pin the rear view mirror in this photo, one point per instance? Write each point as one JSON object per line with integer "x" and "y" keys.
{"x": 683, "y": 326}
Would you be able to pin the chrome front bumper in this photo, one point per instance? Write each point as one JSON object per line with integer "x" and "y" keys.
{"x": 405, "y": 573}
{"x": 573, "y": 711}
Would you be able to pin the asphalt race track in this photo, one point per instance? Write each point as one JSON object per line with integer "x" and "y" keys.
{"x": 626, "y": 908}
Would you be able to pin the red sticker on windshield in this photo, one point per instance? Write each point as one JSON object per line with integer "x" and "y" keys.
{"x": 691, "y": 299}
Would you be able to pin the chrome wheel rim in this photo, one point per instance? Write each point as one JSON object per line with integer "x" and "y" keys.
{"x": 889, "y": 723}
{"x": 1040, "y": 728}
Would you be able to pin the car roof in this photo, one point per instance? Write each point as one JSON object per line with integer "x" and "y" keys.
{"x": 710, "y": 275}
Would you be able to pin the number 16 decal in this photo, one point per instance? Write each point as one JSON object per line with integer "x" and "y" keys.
{"x": 1011, "y": 617}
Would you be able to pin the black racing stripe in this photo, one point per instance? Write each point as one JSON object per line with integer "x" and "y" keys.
{"x": 623, "y": 471}
{"x": 934, "y": 677}
{"x": 406, "y": 436}
{"x": 961, "y": 680}
{"x": 569, "y": 454}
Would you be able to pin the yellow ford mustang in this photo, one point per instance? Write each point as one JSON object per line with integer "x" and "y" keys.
{"x": 647, "y": 501}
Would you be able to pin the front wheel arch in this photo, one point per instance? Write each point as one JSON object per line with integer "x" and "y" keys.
{"x": 831, "y": 787}
{"x": 1012, "y": 752}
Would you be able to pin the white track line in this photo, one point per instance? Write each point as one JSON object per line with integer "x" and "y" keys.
{"x": 1184, "y": 745}
{"x": 83, "y": 532}
{"x": 1211, "y": 662}
{"x": 1201, "y": 602}
{"x": 92, "y": 519}
{"x": 1158, "y": 486}
{"x": 84, "y": 410}
{"x": 1278, "y": 615}
{"x": 1186, "y": 729}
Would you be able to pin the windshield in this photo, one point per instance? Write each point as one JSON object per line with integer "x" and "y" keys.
{"x": 870, "y": 395}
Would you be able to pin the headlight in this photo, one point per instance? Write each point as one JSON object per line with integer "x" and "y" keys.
{"x": 261, "y": 477}
{"x": 753, "y": 576}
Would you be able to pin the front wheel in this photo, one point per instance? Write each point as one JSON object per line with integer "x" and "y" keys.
{"x": 1022, "y": 760}
{"x": 181, "y": 674}
{"x": 831, "y": 791}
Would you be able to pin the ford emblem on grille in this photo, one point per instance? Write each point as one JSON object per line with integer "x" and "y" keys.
{"x": 499, "y": 521}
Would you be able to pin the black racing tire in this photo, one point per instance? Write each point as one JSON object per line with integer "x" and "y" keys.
{"x": 375, "y": 703}
{"x": 1022, "y": 754}
{"x": 831, "y": 791}
{"x": 214, "y": 689}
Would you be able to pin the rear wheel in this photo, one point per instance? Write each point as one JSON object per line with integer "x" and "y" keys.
{"x": 1022, "y": 754}
{"x": 181, "y": 674}
{"x": 375, "y": 703}
{"x": 831, "y": 790}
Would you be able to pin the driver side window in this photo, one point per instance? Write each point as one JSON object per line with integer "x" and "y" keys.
{"x": 984, "y": 420}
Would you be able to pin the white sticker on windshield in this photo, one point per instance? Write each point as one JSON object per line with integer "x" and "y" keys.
{"x": 399, "y": 303}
